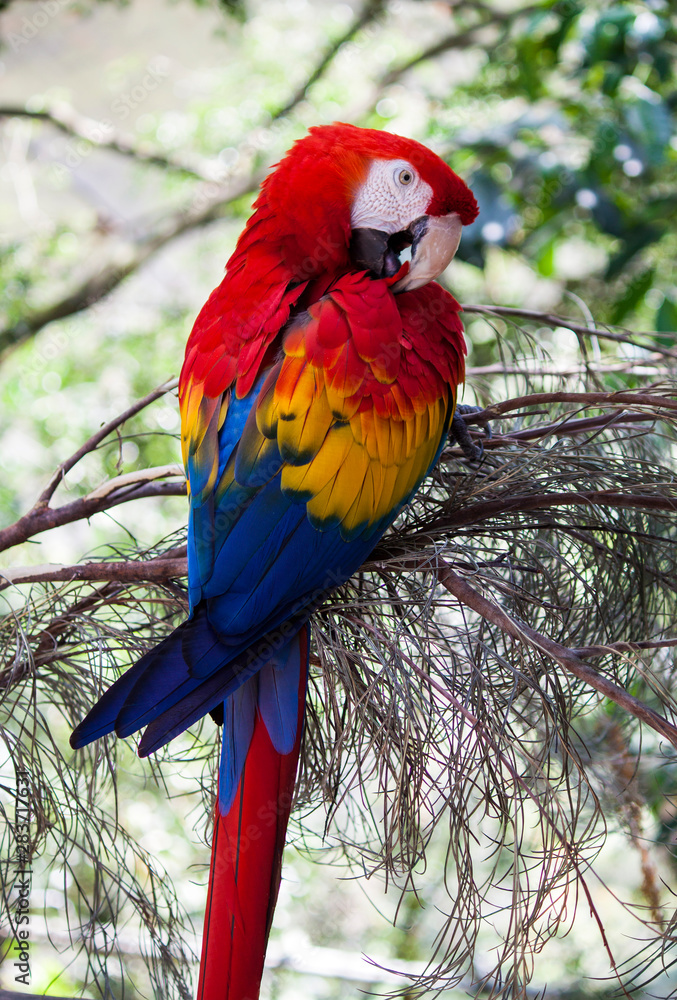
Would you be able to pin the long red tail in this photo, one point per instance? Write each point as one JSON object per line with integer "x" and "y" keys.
{"x": 246, "y": 863}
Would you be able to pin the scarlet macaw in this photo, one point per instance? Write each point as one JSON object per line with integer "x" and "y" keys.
{"x": 317, "y": 392}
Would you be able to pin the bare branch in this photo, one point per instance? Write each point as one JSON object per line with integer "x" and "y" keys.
{"x": 627, "y": 399}
{"x": 369, "y": 13}
{"x": 456, "y": 40}
{"x": 467, "y": 595}
{"x": 562, "y": 428}
{"x": 45, "y": 518}
{"x": 571, "y": 848}
{"x": 132, "y": 486}
{"x": 102, "y": 135}
{"x": 475, "y": 513}
{"x": 586, "y": 652}
{"x": 158, "y": 570}
{"x": 639, "y": 366}
{"x": 552, "y": 320}
{"x": 137, "y": 476}
{"x": 95, "y": 440}
{"x": 207, "y": 206}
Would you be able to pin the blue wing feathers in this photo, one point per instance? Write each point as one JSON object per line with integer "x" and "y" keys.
{"x": 100, "y": 720}
{"x": 257, "y": 568}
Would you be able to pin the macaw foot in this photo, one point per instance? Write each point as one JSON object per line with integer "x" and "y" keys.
{"x": 461, "y": 435}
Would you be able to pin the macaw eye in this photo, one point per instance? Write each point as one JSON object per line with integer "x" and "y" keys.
{"x": 405, "y": 177}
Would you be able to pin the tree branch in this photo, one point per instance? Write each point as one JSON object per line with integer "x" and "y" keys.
{"x": 566, "y": 657}
{"x": 369, "y": 13}
{"x": 158, "y": 570}
{"x": 552, "y": 320}
{"x": 95, "y": 440}
{"x": 638, "y": 366}
{"x": 104, "y": 136}
{"x": 586, "y": 652}
{"x": 131, "y": 486}
{"x": 206, "y": 207}
{"x": 45, "y": 518}
{"x": 623, "y": 398}
{"x": 475, "y": 513}
{"x": 456, "y": 40}
{"x": 562, "y": 428}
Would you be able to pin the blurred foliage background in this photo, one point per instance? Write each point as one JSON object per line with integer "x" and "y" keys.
{"x": 134, "y": 136}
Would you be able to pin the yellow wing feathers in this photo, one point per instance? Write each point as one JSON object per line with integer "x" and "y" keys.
{"x": 347, "y": 461}
{"x": 349, "y": 439}
{"x": 201, "y": 420}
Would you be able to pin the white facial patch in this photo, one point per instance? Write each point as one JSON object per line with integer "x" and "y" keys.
{"x": 392, "y": 196}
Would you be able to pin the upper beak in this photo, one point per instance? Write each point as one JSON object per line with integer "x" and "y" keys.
{"x": 433, "y": 239}
{"x": 436, "y": 239}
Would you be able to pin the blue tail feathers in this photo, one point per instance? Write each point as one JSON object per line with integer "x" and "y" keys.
{"x": 274, "y": 693}
{"x": 162, "y": 692}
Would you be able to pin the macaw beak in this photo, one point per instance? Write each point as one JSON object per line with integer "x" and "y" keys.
{"x": 433, "y": 240}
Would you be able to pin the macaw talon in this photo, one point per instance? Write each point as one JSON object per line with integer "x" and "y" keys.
{"x": 474, "y": 452}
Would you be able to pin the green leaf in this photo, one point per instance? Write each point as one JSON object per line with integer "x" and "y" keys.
{"x": 666, "y": 320}
{"x": 640, "y": 237}
{"x": 648, "y": 121}
{"x": 634, "y": 293}
{"x": 546, "y": 259}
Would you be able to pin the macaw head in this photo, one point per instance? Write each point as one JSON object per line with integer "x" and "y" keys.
{"x": 347, "y": 195}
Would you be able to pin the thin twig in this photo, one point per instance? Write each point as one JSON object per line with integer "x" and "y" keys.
{"x": 639, "y": 366}
{"x": 552, "y": 320}
{"x": 13, "y": 995}
{"x": 628, "y": 399}
{"x": 522, "y": 503}
{"x": 586, "y": 652}
{"x": 482, "y": 734}
{"x": 95, "y": 440}
{"x": 563, "y": 428}
{"x": 369, "y": 13}
{"x": 104, "y": 136}
{"x": 467, "y": 595}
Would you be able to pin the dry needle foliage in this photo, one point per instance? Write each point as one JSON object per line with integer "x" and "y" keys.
{"x": 498, "y": 679}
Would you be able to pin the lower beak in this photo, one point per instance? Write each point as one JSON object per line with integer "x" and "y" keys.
{"x": 433, "y": 239}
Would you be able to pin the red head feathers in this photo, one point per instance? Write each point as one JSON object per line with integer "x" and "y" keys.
{"x": 342, "y": 199}
{"x": 310, "y": 192}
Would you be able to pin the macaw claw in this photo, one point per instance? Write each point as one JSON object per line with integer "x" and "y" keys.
{"x": 474, "y": 452}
